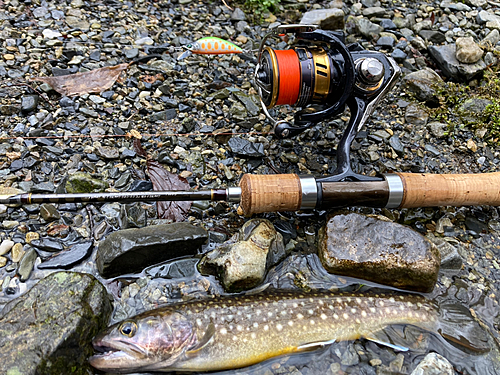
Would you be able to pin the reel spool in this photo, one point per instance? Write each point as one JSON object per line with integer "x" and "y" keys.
{"x": 321, "y": 76}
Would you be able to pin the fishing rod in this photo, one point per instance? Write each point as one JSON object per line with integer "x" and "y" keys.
{"x": 321, "y": 75}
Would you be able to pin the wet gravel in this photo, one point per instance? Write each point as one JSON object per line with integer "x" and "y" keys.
{"x": 180, "y": 108}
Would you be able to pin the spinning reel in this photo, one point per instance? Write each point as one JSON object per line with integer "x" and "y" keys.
{"x": 321, "y": 77}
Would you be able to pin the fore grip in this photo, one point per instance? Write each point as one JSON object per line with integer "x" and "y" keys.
{"x": 270, "y": 193}
{"x": 429, "y": 190}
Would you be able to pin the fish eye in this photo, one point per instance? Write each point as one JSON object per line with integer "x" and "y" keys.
{"x": 128, "y": 329}
{"x": 189, "y": 46}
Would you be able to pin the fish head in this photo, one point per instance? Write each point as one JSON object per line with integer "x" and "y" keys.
{"x": 144, "y": 342}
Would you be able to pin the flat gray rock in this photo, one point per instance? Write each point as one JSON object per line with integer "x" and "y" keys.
{"x": 378, "y": 250}
{"x": 445, "y": 57}
{"x": 49, "y": 329}
{"x": 132, "y": 250}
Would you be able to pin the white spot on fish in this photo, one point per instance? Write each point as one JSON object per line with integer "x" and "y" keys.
{"x": 290, "y": 323}
{"x": 239, "y": 328}
{"x": 235, "y": 338}
{"x": 266, "y": 328}
{"x": 312, "y": 322}
{"x": 372, "y": 309}
{"x": 253, "y": 335}
{"x": 323, "y": 316}
{"x": 358, "y": 321}
{"x": 283, "y": 312}
{"x": 199, "y": 322}
{"x": 363, "y": 313}
{"x": 258, "y": 312}
{"x": 279, "y": 327}
{"x": 382, "y": 303}
{"x": 295, "y": 305}
{"x": 269, "y": 314}
{"x": 409, "y": 304}
{"x": 300, "y": 316}
{"x": 255, "y": 325}
{"x": 311, "y": 300}
{"x": 223, "y": 331}
{"x": 335, "y": 316}
{"x": 310, "y": 312}
{"x": 353, "y": 311}
{"x": 330, "y": 307}
{"x": 392, "y": 299}
{"x": 345, "y": 316}
{"x": 321, "y": 302}
{"x": 358, "y": 300}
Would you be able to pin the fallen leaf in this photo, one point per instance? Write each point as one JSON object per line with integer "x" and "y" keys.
{"x": 97, "y": 80}
{"x": 165, "y": 180}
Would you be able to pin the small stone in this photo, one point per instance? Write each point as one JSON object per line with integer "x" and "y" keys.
{"x": 3, "y": 261}
{"x": 49, "y": 212}
{"x": 238, "y": 15}
{"x": 30, "y": 236}
{"x": 26, "y": 264}
{"x": 17, "y": 252}
{"x": 29, "y": 103}
{"x": 9, "y": 224}
{"x": 434, "y": 364}
{"x": 468, "y": 51}
{"x": 5, "y": 246}
{"x": 327, "y": 19}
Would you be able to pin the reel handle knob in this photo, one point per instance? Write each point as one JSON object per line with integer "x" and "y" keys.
{"x": 284, "y": 129}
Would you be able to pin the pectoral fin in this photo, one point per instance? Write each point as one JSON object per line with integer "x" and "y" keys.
{"x": 398, "y": 348}
{"x": 314, "y": 345}
{"x": 205, "y": 340}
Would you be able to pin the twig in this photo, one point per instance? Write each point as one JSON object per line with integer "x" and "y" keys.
{"x": 35, "y": 90}
{"x": 227, "y": 5}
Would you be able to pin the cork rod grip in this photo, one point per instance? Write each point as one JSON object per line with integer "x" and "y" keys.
{"x": 270, "y": 193}
{"x": 429, "y": 190}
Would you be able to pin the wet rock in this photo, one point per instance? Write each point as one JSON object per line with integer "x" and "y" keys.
{"x": 450, "y": 257}
{"x": 47, "y": 244}
{"x": 81, "y": 182}
{"x": 49, "y": 329}
{"x": 29, "y": 103}
{"x": 327, "y": 19}
{"x": 422, "y": 84}
{"x": 70, "y": 257}
{"x": 445, "y": 57}
{"x": 396, "y": 144}
{"x": 107, "y": 152}
{"x": 5, "y": 246}
{"x": 243, "y": 147}
{"x": 468, "y": 52}
{"x": 434, "y": 364}
{"x": 17, "y": 252}
{"x": 132, "y": 250}
{"x": 378, "y": 250}
{"x": 26, "y": 264}
{"x": 49, "y": 212}
{"x": 174, "y": 270}
{"x": 242, "y": 262}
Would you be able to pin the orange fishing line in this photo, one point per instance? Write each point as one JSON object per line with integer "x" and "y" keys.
{"x": 289, "y": 76}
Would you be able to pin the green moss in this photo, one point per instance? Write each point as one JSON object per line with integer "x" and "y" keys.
{"x": 453, "y": 107}
{"x": 14, "y": 371}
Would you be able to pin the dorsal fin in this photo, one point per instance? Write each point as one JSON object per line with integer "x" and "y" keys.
{"x": 205, "y": 340}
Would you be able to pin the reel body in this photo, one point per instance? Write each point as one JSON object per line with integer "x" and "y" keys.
{"x": 321, "y": 76}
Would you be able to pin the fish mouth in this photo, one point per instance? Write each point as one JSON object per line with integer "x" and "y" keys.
{"x": 115, "y": 355}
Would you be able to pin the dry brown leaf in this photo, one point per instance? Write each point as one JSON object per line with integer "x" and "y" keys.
{"x": 165, "y": 180}
{"x": 97, "y": 80}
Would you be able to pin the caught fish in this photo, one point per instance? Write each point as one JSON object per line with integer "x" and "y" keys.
{"x": 210, "y": 46}
{"x": 238, "y": 331}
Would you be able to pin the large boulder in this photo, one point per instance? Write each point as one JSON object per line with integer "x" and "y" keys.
{"x": 132, "y": 250}
{"x": 378, "y": 250}
{"x": 49, "y": 329}
{"x": 446, "y": 58}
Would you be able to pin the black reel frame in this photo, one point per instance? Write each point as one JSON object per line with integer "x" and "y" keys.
{"x": 360, "y": 99}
